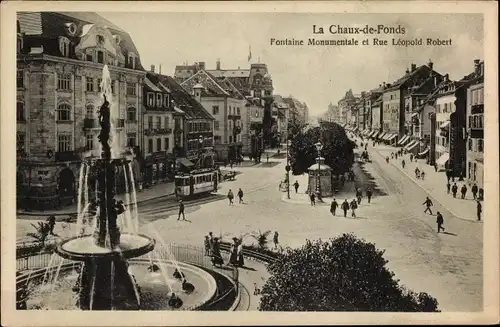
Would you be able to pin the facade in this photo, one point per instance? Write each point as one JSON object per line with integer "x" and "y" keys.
{"x": 280, "y": 107}
{"x": 59, "y": 69}
{"x": 377, "y": 114}
{"x": 345, "y": 105}
{"x": 475, "y": 127}
{"x": 193, "y": 130}
{"x": 227, "y": 106}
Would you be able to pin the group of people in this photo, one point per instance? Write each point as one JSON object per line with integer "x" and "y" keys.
{"x": 439, "y": 217}
{"x": 463, "y": 192}
{"x": 353, "y": 205}
{"x": 230, "y": 196}
{"x": 212, "y": 249}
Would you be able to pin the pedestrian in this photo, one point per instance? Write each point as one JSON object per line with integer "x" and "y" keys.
{"x": 474, "y": 191}
{"x": 428, "y": 205}
{"x": 417, "y": 173}
{"x": 231, "y": 164}
{"x": 296, "y": 186}
{"x": 275, "y": 239}
{"x": 480, "y": 195}
{"x": 52, "y": 223}
{"x": 392, "y": 155}
{"x": 387, "y": 159}
{"x": 333, "y": 207}
{"x": 403, "y": 164}
{"x": 181, "y": 211}
{"x": 440, "y": 221}
{"x": 463, "y": 190}
{"x": 216, "y": 255}
{"x": 345, "y": 207}
{"x": 267, "y": 157}
{"x": 359, "y": 195}
{"x": 240, "y": 196}
{"x": 479, "y": 208}
{"x": 396, "y": 155}
{"x": 411, "y": 157}
{"x": 354, "y": 206}
{"x": 211, "y": 242}
{"x": 454, "y": 190}
{"x": 239, "y": 254}
{"x": 230, "y": 197}
{"x": 369, "y": 194}
{"x": 206, "y": 243}
{"x": 422, "y": 174}
{"x": 312, "y": 196}
{"x": 436, "y": 167}
{"x": 448, "y": 186}
{"x": 233, "y": 253}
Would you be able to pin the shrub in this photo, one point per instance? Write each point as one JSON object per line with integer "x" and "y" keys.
{"x": 343, "y": 274}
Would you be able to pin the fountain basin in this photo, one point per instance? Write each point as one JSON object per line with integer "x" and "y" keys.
{"x": 82, "y": 248}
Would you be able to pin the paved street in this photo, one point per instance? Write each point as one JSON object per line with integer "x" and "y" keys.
{"x": 446, "y": 265}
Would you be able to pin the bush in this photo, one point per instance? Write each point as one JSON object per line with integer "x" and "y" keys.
{"x": 343, "y": 274}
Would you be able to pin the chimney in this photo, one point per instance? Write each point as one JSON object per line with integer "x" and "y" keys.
{"x": 160, "y": 70}
{"x": 430, "y": 64}
{"x": 477, "y": 67}
{"x": 446, "y": 76}
{"x": 152, "y": 68}
{"x": 413, "y": 67}
{"x": 407, "y": 71}
{"x": 384, "y": 85}
{"x": 202, "y": 65}
{"x": 217, "y": 64}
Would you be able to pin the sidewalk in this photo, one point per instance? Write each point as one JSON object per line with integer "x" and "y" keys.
{"x": 158, "y": 191}
{"x": 434, "y": 184}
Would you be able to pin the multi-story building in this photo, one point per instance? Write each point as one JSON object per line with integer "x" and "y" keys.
{"x": 219, "y": 97}
{"x": 60, "y": 62}
{"x": 297, "y": 112}
{"x": 280, "y": 107}
{"x": 377, "y": 115}
{"x": 345, "y": 105}
{"x": 394, "y": 111}
{"x": 475, "y": 127}
{"x": 193, "y": 130}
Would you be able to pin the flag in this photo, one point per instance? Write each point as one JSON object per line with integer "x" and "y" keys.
{"x": 249, "y": 53}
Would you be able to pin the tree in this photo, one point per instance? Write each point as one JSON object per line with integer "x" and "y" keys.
{"x": 261, "y": 238}
{"x": 41, "y": 234}
{"x": 337, "y": 148}
{"x": 342, "y": 274}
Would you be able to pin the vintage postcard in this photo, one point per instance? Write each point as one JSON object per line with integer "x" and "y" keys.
{"x": 216, "y": 163}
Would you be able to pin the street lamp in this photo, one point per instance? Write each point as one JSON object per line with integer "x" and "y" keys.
{"x": 200, "y": 140}
{"x": 319, "y": 147}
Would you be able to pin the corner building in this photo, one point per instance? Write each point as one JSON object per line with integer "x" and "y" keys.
{"x": 60, "y": 58}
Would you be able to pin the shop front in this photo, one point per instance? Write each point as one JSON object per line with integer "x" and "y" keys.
{"x": 157, "y": 168}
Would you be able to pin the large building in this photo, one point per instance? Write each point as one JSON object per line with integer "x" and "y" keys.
{"x": 344, "y": 107}
{"x": 475, "y": 127}
{"x": 60, "y": 58}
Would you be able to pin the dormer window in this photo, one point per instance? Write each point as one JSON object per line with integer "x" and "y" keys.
{"x": 100, "y": 57}
{"x": 151, "y": 99}
{"x": 166, "y": 101}
{"x": 100, "y": 39}
{"x": 64, "y": 46}
{"x": 159, "y": 98}
{"x": 131, "y": 60}
{"x": 89, "y": 56}
{"x": 71, "y": 28}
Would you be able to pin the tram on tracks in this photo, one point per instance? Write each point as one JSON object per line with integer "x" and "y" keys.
{"x": 200, "y": 181}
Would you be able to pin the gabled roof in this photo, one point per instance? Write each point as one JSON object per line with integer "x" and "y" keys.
{"x": 405, "y": 78}
{"x": 230, "y": 72}
{"x": 151, "y": 86}
{"x": 233, "y": 90}
{"x": 209, "y": 82}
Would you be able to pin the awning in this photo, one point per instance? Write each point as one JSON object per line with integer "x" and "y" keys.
{"x": 411, "y": 146}
{"x": 386, "y": 136}
{"x": 423, "y": 153}
{"x": 355, "y": 129}
{"x": 445, "y": 124}
{"x": 442, "y": 160}
{"x": 185, "y": 162}
{"x": 403, "y": 140}
{"x": 392, "y": 137}
{"x": 381, "y": 136}
{"x": 372, "y": 133}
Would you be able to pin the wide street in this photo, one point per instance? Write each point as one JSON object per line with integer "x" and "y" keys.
{"x": 447, "y": 265}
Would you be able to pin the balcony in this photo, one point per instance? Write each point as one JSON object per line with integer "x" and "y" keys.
{"x": 476, "y": 133}
{"x": 157, "y": 131}
{"x": 234, "y": 116}
{"x": 66, "y": 156}
{"x": 477, "y": 109}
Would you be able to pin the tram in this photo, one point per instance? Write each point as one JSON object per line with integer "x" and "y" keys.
{"x": 199, "y": 181}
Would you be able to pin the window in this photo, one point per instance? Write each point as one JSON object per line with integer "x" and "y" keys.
{"x": 64, "y": 46}
{"x": 166, "y": 101}
{"x": 150, "y": 146}
{"x": 90, "y": 84}
{"x": 131, "y": 114}
{"x": 131, "y": 140}
{"x": 99, "y": 82}
{"x": 238, "y": 111}
{"x": 215, "y": 110}
{"x": 20, "y": 112}
{"x": 89, "y": 56}
{"x": 216, "y": 125}
{"x": 470, "y": 145}
{"x": 64, "y": 81}
{"x": 445, "y": 107}
{"x": 217, "y": 139}
{"x": 230, "y": 138}
{"x": 113, "y": 87}
{"x": 20, "y": 142}
{"x": 474, "y": 97}
{"x": 151, "y": 99}
{"x": 150, "y": 122}
{"x": 480, "y": 145}
{"x": 167, "y": 122}
{"x": 89, "y": 113}
{"x": 159, "y": 99}
{"x": 166, "y": 145}
{"x": 64, "y": 112}
{"x": 100, "y": 57}
{"x": 20, "y": 79}
{"x": 131, "y": 60}
{"x": 158, "y": 144}
{"x": 158, "y": 122}
{"x": 131, "y": 88}
{"x": 89, "y": 142}
{"x": 63, "y": 142}
{"x": 100, "y": 39}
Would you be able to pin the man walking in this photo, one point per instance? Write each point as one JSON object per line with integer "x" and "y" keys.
{"x": 454, "y": 190}
{"x": 240, "y": 196}
{"x": 275, "y": 239}
{"x": 354, "y": 206}
{"x": 230, "y": 197}
{"x": 181, "y": 211}
{"x": 369, "y": 195}
{"x": 440, "y": 221}
{"x": 479, "y": 210}
{"x": 403, "y": 163}
{"x": 463, "y": 190}
{"x": 359, "y": 195}
{"x": 345, "y": 207}
{"x": 333, "y": 207}
{"x": 428, "y": 204}
{"x": 312, "y": 196}
{"x": 474, "y": 191}
{"x": 52, "y": 223}
{"x": 296, "y": 186}
{"x": 448, "y": 186}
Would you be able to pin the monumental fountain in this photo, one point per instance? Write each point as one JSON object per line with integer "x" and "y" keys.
{"x": 103, "y": 276}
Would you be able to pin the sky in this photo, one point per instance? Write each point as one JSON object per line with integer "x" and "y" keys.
{"x": 317, "y": 75}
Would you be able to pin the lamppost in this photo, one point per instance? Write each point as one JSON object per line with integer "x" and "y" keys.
{"x": 200, "y": 140}
{"x": 319, "y": 147}
{"x": 287, "y": 169}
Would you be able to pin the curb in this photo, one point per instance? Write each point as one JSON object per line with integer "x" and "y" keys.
{"x": 428, "y": 192}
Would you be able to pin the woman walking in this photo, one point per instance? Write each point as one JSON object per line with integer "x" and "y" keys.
{"x": 230, "y": 197}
